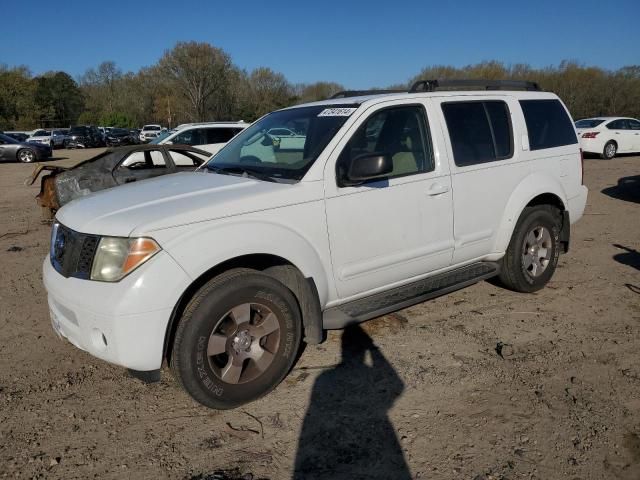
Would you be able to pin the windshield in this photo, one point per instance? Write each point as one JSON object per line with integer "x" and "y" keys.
{"x": 151, "y": 127}
{"x": 78, "y": 130}
{"x": 588, "y": 123}
{"x": 118, "y": 131}
{"x": 40, "y": 133}
{"x": 161, "y": 137}
{"x": 256, "y": 150}
{"x": 7, "y": 139}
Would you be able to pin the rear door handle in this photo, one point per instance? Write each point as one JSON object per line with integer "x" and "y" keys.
{"x": 437, "y": 189}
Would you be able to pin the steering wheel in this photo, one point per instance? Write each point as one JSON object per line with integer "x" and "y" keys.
{"x": 250, "y": 159}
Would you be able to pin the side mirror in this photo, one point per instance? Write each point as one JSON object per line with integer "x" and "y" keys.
{"x": 369, "y": 167}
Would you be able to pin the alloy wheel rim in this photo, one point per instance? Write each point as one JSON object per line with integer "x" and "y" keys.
{"x": 26, "y": 156}
{"x": 243, "y": 343}
{"x": 611, "y": 150}
{"x": 536, "y": 251}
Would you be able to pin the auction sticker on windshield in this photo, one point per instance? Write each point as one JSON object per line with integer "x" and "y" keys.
{"x": 336, "y": 112}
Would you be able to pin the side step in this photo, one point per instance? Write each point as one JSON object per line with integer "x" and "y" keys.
{"x": 397, "y": 298}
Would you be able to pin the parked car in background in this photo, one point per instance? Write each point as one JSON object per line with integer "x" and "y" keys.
{"x": 113, "y": 167}
{"x": 149, "y": 132}
{"x": 85, "y": 136}
{"x": 42, "y": 137}
{"x": 210, "y": 136}
{"x": 59, "y": 138}
{"x": 26, "y": 152}
{"x": 120, "y": 136}
{"x": 608, "y": 136}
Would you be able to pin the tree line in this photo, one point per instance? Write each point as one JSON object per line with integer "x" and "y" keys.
{"x": 198, "y": 82}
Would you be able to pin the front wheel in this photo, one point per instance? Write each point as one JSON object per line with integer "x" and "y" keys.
{"x": 237, "y": 339}
{"x": 532, "y": 255}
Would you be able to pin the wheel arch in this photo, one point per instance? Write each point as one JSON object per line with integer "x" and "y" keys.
{"x": 304, "y": 289}
{"x": 536, "y": 189}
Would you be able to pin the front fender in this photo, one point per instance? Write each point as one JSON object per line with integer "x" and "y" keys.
{"x": 530, "y": 187}
{"x": 199, "y": 247}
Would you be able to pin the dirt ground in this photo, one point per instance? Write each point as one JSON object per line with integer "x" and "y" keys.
{"x": 480, "y": 384}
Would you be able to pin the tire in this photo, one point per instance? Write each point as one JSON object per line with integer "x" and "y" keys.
{"x": 532, "y": 255}
{"x": 610, "y": 150}
{"x": 26, "y": 155}
{"x": 222, "y": 354}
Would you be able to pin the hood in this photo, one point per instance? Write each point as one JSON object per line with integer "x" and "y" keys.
{"x": 172, "y": 200}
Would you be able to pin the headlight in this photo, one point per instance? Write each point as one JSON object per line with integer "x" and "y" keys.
{"x": 116, "y": 257}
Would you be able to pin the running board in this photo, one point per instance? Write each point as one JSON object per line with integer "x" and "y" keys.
{"x": 397, "y": 298}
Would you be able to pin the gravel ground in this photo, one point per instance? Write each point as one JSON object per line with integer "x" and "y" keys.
{"x": 480, "y": 384}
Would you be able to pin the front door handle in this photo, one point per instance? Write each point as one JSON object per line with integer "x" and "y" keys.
{"x": 437, "y": 189}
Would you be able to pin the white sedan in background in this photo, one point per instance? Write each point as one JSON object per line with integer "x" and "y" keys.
{"x": 608, "y": 136}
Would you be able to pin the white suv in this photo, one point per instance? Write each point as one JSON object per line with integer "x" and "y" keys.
{"x": 210, "y": 136}
{"x": 392, "y": 199}
{"x": 149, "y": 132}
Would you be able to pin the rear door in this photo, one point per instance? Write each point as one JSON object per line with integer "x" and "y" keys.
{"x": 622, "y": 134}
{"x": 486, "y": 167}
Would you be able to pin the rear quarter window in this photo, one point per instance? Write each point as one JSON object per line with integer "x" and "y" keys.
{"x": 548, "y": 124}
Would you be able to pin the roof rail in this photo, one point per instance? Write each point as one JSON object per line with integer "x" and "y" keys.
{"x": 359, "y": 93}
{"x": 472, "y": 84}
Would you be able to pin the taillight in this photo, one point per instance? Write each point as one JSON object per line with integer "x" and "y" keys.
{"x": 581, "y": 167}
{"x": 590, "y": 134}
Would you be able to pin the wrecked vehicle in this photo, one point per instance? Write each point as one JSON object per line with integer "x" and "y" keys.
{"x": 113, "y": 167}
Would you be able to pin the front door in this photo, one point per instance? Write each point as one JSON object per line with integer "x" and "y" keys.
{"x": 389, "y": 231}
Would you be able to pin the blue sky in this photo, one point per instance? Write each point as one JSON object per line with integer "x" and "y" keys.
{"x": 359, "y": 44}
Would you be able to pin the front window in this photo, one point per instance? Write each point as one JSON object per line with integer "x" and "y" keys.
{"x": 151, "y": 128}
{"x": 257, "y": 151}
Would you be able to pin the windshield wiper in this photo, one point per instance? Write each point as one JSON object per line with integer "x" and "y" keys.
{"x": 243, "y": 171}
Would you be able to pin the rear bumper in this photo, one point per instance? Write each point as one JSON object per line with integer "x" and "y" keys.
{"x": 577, "y": 204}
{"x": 123, "y": 323}
{"x": 592, "y": 145}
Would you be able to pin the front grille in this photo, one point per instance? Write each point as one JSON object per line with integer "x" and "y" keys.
{"x": 72, "y": 252}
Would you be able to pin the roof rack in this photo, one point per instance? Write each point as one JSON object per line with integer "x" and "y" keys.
{"x": 359, "y": 93}
{"x": 433, "y": 85}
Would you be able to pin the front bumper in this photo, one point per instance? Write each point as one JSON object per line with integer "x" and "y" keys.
{"x": 42, "y": 153}
{"x": 123, "y": 323}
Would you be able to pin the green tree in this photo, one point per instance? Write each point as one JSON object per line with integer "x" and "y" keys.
{"x": 58, "y": 99}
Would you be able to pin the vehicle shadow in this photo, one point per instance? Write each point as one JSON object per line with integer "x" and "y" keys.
{"x": 631, "y": 257}
{"x": 346, "y": 433}
{"x": 628, "y": 189}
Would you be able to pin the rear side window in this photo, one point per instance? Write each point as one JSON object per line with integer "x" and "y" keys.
{"x": 480, "y": 132}
{"x": 220, "y": 135}
{"x": 548, "y": 124}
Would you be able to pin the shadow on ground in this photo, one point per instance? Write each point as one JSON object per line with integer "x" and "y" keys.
{"x": 628, "y": 189}
{"x": 630, "y": 256}
{"x": 346, "y": 433}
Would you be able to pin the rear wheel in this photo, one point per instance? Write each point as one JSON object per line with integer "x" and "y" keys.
{"x": 610, "y": 150}
{"x": 532, "y": 255}
{"x": 27, "y": 155}
{"x": 237, "y": 339}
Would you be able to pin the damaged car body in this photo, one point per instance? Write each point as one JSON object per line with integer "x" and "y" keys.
{"x": 113, "y": 167}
